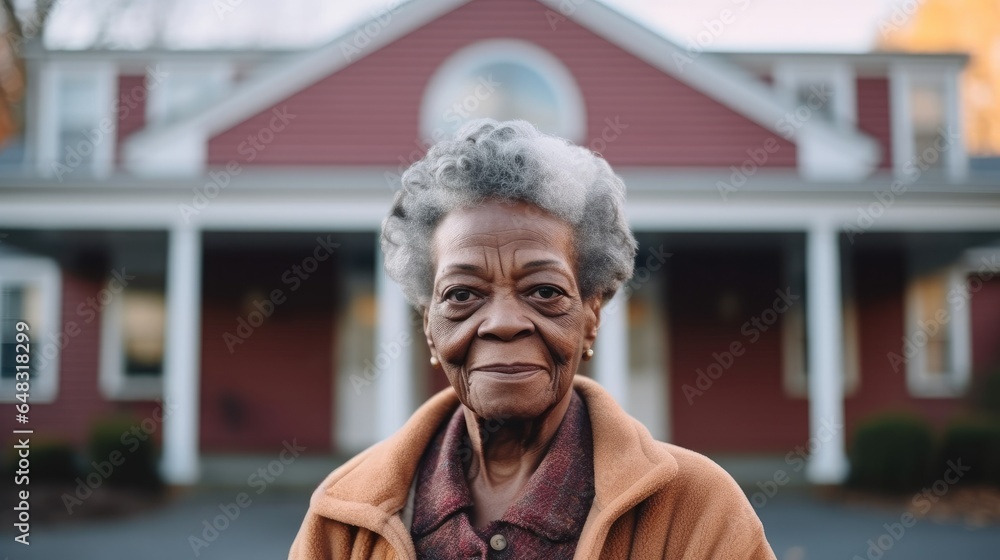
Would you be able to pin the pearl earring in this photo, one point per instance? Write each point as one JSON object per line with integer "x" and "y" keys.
{"x": 434, "y": 362}
{"x": 588, "y": 354}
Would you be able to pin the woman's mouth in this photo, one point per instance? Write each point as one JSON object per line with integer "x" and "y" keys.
{"x": 509, "y": 371}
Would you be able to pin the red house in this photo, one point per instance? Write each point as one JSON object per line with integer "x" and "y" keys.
{"x": 200, "y": 229}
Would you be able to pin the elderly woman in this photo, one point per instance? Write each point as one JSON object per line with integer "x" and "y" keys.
{"x": 509, "y": 241}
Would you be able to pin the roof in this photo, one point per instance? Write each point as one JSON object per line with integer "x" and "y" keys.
{"x": 835, "y": 150}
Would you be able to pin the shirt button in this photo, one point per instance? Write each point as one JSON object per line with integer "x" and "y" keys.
{"x": 498, "y": 542}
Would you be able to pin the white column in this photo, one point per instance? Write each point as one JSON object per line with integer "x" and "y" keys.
{"x": 181, "y": 376}
{"x": 394, "y": 381}
{"x": 610, "y": 362}
{"x": 828, "y": 462}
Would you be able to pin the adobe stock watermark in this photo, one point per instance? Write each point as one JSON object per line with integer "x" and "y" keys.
{"x": 102, "y": 470}
{"x": 566, "y": 9}
{"x": 654, "y": 262}
{"x": 786, "y": 126}
{"x": 231, "y": 511}
{"x": 912, "y": 170}
{"x": 249, "y": 148}
{"x": 388, "y": 352}
{"x": 752, "y": 330}
{"x": 901, "y": 15}
{"x": 712, "y": 29}
{"x": 88, "y": 311}
{"x": 90, "y": 139}
{"x": 454, "y": 115}
{"x": 292, "y": 277}
{"x": 796, "y": 460}
{"x": 34, "y": 26}
{"x": 957, "y": 298}
{"x": 922, "y": 501}
{"x": 364, "y": 35}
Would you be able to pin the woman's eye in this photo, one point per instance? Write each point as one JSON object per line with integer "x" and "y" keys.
{"x": 459, "y": 295}
{"x": 547, "y": 292}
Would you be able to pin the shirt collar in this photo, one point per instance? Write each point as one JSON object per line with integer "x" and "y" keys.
{"x": 555, "y": 501}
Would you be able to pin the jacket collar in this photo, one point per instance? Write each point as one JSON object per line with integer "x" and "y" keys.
{"x": 370, "y": 490}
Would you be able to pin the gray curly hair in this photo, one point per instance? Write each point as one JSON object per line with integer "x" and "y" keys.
{"x": 510, "y": 161}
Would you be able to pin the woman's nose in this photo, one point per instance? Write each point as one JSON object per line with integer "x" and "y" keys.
{"x": 505, "y": 321}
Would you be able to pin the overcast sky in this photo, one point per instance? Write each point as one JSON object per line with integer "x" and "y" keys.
{"x": 805, "y": 25}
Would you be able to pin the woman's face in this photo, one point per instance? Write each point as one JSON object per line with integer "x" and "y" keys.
{"x": 506, "y": 319}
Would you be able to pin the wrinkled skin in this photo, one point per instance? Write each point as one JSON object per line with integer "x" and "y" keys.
{"x": 508, "y": 324}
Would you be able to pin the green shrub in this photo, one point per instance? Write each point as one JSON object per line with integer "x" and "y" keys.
{"x": 987, "y": 392}
{"x": 51, "y": 461}
{"x": 891, "y": 453}
{"x": 976, "y": 441}
{"x": 113, "y": 441}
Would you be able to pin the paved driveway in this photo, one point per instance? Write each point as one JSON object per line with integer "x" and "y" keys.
{"x": 798, "y": 527}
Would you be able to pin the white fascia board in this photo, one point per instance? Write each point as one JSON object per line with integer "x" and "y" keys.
{"x": 180, "y": 153}
{"x": 732, "y": 86}
{"x": 291, "y": 76}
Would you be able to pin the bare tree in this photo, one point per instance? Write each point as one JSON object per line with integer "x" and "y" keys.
{"x": 19, "y": 30}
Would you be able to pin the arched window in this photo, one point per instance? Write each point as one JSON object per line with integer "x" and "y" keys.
{"x": 503, "y": 79}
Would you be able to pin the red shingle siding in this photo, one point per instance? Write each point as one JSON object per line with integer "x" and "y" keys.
{"x": 368, "y": 112}
{"x": 874, "y": 117}
{"x": 881, "y": 293}
{"x": 131, "y": 109}
{"x": 277, "y": 385}
{"x": 745, "y": 409}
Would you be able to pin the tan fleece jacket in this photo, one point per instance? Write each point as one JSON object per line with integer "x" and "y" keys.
{"x": 653, "y": 499}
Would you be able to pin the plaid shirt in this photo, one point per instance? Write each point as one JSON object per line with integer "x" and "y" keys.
{"x": 544, "y": 522}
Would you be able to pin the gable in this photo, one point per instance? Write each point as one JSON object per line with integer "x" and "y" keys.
{"x": 367, "y": 113}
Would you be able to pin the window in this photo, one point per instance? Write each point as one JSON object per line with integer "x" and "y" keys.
{"x": 936, "y": 345}
{"x": 30, "y": 292}
{"x": 796, "y": 349}
{"x": 184, "y": 88}
{"x": 825, "y": 91}
{"x": 927, "y": 132}
{"x": 85, "y": 134}
{"x": 795, "y": 335}
{"x": 503, "y": 79}
{"x": 927, "y": 105}
{"x": 133, "y": 324}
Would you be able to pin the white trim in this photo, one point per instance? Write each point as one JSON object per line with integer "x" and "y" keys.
{"x": 103, "y": 76}
{"x": 44, "y": 274}
{"x": 828, "y": 464}
{"x": 266, "y": 89}
{"x": 830, "y": 153}
{"x": 610, "y": 364}
{"x": 180, "y": 462}
{"x": 45, "y": 124}
{"x": 439, "y": 95}
{"x": 789, "y": 76}
{"x": 903, "y": 77}
{"x": 794, "y": 376}
{"x": 114, "y": 382}
{"x": 957, "y": 164}
{"x": 393, "y": 345}
{"x": 364, "y": 211}
{"x": 957, "y": 319}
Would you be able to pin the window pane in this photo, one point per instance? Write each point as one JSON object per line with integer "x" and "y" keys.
{"x": 927, "y": 113}
{"x": 17, "y": 303}
{"x": 143, "y": 321}
{"x": 502, "y": 91}
{"x": 931, "y": 293}
{"x": 816, "y": 97}
{"x": 11, "y": 307}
